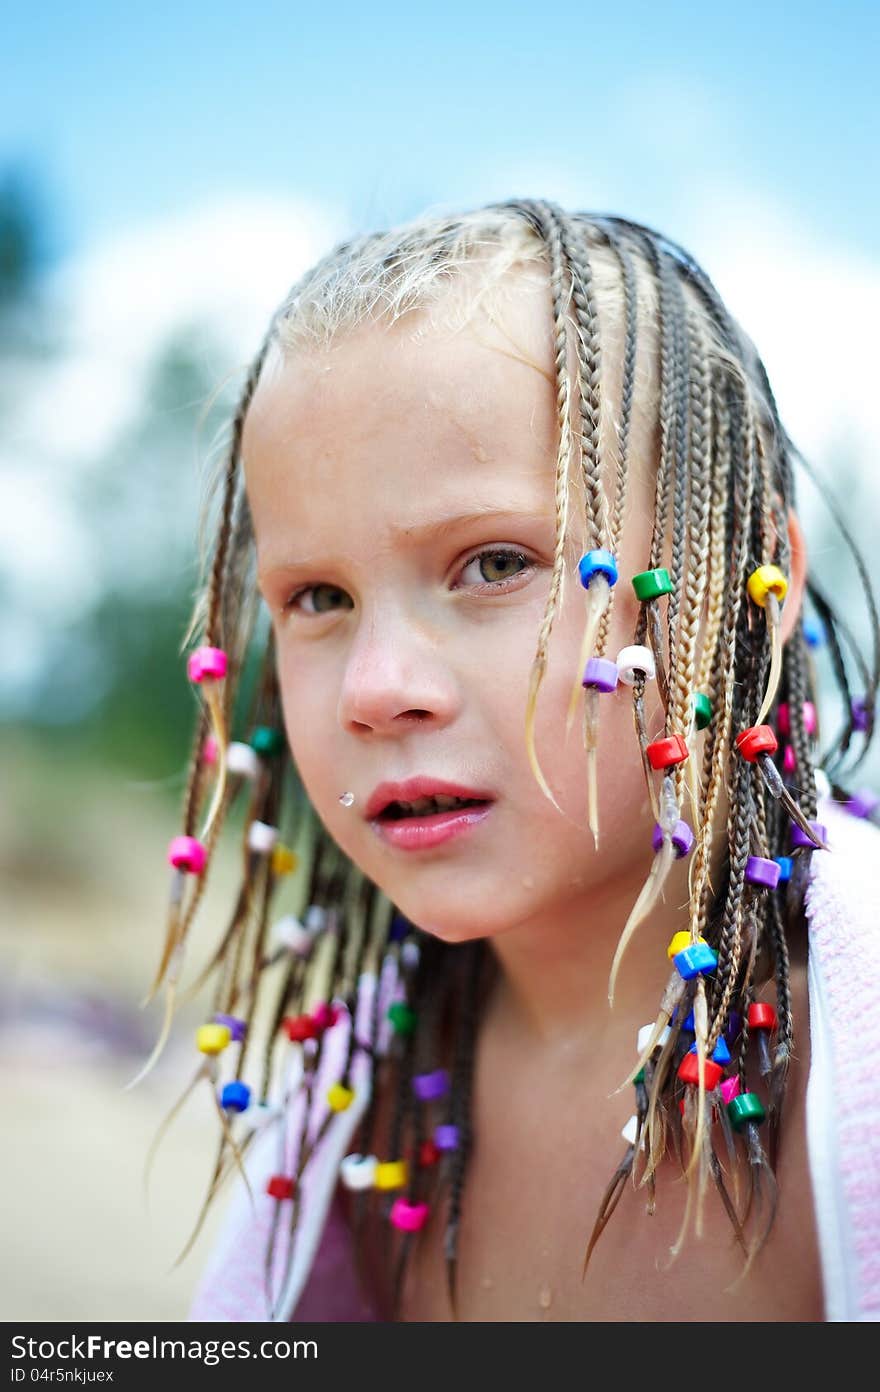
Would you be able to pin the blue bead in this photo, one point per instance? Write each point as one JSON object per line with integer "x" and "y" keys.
{"x": 814, "y": 633}
{"x": 594, "y": 562}
{"x": 399, "y": 929}
{"x": 720, "y": 1054}
{"x": 698, "y": 960}
{"x": 785, "y": 864}
{"x": 689, "y": 1023}
{"x": 235, "y": 1097}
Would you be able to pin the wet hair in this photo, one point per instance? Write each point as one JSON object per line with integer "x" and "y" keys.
{"x": 724, "y": 485}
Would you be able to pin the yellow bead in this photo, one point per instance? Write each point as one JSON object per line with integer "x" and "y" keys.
{"x": 767, "y": 579}
{"x": 678, "y": 942}
{"x": 212, "y": 1039}
{"x": 339, "y": 1097}
{"x": 391, "y": 1174}
{"x": 284, "y": 861}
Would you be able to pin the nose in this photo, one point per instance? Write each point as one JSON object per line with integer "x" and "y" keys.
{"x": 396, "y": 676}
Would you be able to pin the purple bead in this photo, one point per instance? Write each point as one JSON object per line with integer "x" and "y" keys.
{"x": 446, "y": 1137}
{"x": 799, "y": 838}
{"x": 682, "y": 838}
{"x": 764, "y": 873}
{"x": 429, "y": 1086}
{"x": 734, "y": 1025}
{"x": 862, "y": 804}
{"x": 399, "y": 929}
{"x": 237, "y": 1028}
{"x": 601, "y": 673}
{"x": 861, "y": 714}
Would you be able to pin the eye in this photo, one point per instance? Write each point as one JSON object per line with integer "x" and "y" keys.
{"x": 325, "y": 597}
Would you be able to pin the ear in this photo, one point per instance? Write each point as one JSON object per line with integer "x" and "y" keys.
{"x": 797, "y": 579}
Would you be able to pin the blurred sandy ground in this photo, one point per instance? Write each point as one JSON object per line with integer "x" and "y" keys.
{"x": 82, "y": 886}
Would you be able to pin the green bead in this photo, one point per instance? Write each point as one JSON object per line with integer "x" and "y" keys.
{"x": 702, "y": 709}
{"x": 640, "y": 1076}
{"x": 402, "y": 1017}
{"x": 265, "y": 740}
{"x": 651, "y": 584}
{"x": 745, "y": 1109}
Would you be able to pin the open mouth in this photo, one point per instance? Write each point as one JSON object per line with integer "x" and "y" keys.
{"x": 426, "y": 808}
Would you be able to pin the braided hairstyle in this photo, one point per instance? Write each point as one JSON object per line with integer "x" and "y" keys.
{"x": 723, "y": 489}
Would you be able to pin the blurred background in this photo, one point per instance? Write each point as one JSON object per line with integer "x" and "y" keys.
{"x": 165, "y": 175}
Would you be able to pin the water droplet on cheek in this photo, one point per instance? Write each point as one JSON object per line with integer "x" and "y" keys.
{"x": 347, "y": 799}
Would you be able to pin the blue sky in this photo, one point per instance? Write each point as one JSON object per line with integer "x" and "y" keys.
{"x": 385, "y": 109}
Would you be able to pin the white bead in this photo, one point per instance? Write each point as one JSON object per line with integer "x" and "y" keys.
{"x": 629, "y": 1132}
{"x": 645, "y": 1035}
{"x": 240, "y": 758}
{"x": 632, "y": 660}
{"x": 409, "y": 953}
{"x": 358, "y": 1171}
{"x": 289, "y": 932}
{"x": 823, "y": 786}
{"x": 316, "y": 919}
{"x": 262, "y": 837}
{"x": 258, "y": 1115}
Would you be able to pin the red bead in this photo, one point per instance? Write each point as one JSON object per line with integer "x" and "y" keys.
{"x": 298, "y": 1028}
{"x": 662, "y": 753}
{"x": 762, "y": 1016}
{"x": 689, "y": 1071}
{"x": 324, "y": 1016}
{"x": 280, "y": 1187}
{"x": 428, "y": 1154}
{"x": 760, "y": 739}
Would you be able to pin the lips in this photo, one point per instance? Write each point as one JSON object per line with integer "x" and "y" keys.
{"x": 421, "y": 786}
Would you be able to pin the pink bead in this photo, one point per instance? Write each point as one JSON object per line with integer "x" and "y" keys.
{"x": 206, "y": 662}
{"x": 186, "y": 853}
{"x": 729, "y": 1089}
{"x": 784, "y": 724}
{"x": 209, "y": 750}
{"x": 789, "y": 761}
{"x": 408, "y": 1217}
{"x": 324, "y": 1016}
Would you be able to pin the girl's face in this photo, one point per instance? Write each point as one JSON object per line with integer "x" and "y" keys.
{"x": 403, "y": 651}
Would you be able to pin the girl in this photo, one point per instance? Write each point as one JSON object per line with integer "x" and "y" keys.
{"x": 537, "y": 708}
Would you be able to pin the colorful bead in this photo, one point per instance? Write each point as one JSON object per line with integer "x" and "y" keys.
{"x": 814, "y": 633}
{"x": 267, "y": 741}
{"x": 689, "y": 1071}
{"x": 663, "y": 753}
{"x": 358, "y": 1172}
{"x": 446, "y": 1136}
{"x": 734, "y": 1025}
{"x": 639, "y": 1077}
{"x": 299, "y": 1028}
{"x": 635, "y": 661}
{"x": 391, "y": 1174}
{"x": 597, "y": 562}
{"x": 600, "y": 673}
{"x": 325, "y": 1016}
{"x": 186, "y": 853}
{"x": 789, "y": 760}
{"x": 720, "y": 1054}
{"x": 644, "y": 1035}
{"x": 759, "y": 739}
{"x": 784, "y": 723}
{"x": 429, "y": 1154}
{"x": 682, "y": 839}
{"x": 863, "y": 803}
{"x": 745, "y": 1109}
{"x": 695, "y": 961}
{"x": 316, "y": 919}
{"x": 400, "y": 928}
{"x": 785, "y": 864}
{"x": 242, "y": 760}
{"x": 429, "y": 1086}
{"x": 289, "y": 932}
{"x": 261, "y": 837}
{"x": 209, "y": 750}
{"x": 236, "y": 1026}
{"x": 861, "y": 713}
{"x": 408, "y": 1217}
{"x": 339, "y": 1097}
{"x": 767, "y": 579}
{"x": 651, "y": 584}
{"x": 823, "y": 785}
{"x": 402, "y": 1017}
{"x": 762, "y": 1016}
{"x": 206, "y": 663}
{"x": 631, "y": 1130}
{"x": 235, "y": 1097}
{"x": 761, "y": 872}
{"x": 280, "y": 1187}
{"x": 678, "y": 942}
{"x": 702, "y": 709}
{"x": 800, "y": 838}
{"x": 729, "y": 1089}
{"x": 284, "y": 861}
{"x": 212, "y": 1039}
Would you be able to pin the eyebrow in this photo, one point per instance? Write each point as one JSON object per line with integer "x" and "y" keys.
{"x": 438, "y": 529}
